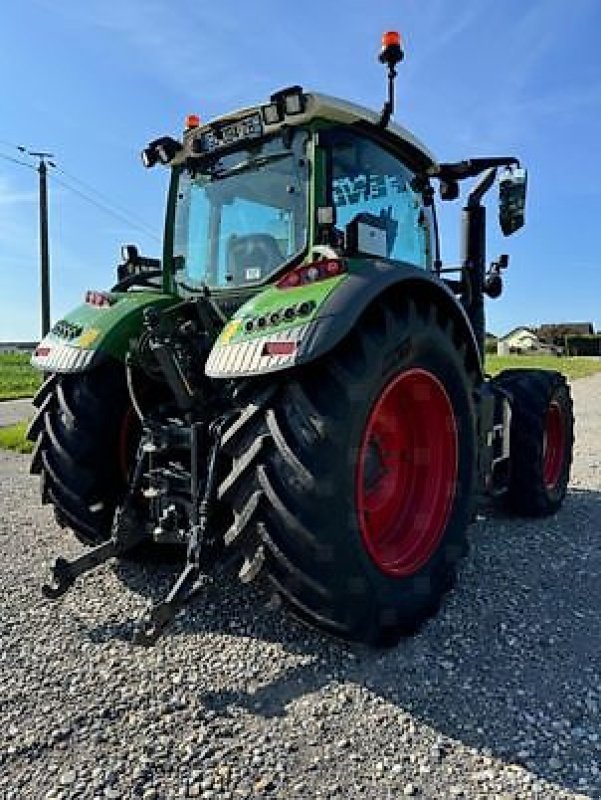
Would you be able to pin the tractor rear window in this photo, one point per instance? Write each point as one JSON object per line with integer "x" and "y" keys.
{"x": 368, "y": 179}
{"x": 241, "y": 216}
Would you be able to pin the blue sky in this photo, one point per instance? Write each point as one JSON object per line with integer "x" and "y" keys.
{"x": 93, "y": 82}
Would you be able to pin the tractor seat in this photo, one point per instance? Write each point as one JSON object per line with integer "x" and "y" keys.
{"x": 252, "y": 257}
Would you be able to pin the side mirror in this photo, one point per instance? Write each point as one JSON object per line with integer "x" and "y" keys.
{"x": 512, "y": 200}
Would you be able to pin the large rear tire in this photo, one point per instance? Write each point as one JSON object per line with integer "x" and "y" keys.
{"x": 541, "y": 441}
{"x": 81, "y": 433}
{"x": 352, "y": 483}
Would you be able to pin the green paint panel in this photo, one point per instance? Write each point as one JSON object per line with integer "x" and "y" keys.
{"x": 110, "y": 328}
{"x": 273, "y": 300}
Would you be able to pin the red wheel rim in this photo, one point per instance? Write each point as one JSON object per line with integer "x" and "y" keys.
{"x": 554, "y": 445}
{"x": 407, "y": 472}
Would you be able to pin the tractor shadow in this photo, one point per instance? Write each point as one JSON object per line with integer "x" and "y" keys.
{"x": 509, "y": 667}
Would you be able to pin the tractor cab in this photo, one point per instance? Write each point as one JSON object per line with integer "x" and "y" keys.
{"x": 259, "y": 192}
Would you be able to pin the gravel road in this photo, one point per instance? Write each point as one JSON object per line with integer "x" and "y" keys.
{"x": 498, "y": 697}
{"x": 12, "y": 411}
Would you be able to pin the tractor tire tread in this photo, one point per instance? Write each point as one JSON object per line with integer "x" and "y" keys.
{"x": 279, "y": 491}
{"x": 75, "y": 430}
{"x": 531, "y": 391}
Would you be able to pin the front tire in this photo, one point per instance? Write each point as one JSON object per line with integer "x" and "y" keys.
{"x": 541, "y": 440}
{"x": 352, "y": 485}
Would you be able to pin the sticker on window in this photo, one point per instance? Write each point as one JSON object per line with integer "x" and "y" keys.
{"x": 350, "y": 191}
{"x": 252, "y": 273}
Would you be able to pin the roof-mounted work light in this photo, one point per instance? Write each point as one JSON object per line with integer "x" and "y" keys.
{"x": 294, "y": 100}
{"x": 287, "y": 102}
{"x": 149, "y": 157}
{"x": 271, "y": 114}
{"x": 160, "y": 151}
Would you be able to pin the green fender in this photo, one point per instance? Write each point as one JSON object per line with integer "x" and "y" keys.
{"x": 336, "y": 305}
{"x": 90, "y": 334}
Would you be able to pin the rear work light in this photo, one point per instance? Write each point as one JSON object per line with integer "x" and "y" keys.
{"x": 271, "y": 114}
{"x": 98, "y": 299}
{"x": 311, "y": 273}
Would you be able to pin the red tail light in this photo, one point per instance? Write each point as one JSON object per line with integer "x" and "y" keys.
{"x": 99, "y": 299}
{"x": 279, "y": 348}
{"x": 311, "y": 273}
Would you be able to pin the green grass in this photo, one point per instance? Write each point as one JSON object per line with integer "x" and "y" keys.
{"x": 572, "y": 367}
{"x": 17, "y": 377}
{"x": 12, "y": 437}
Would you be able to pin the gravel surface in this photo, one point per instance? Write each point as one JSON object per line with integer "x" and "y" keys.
{"x": 12, "y": 411}
{"x": 498, "y": 697}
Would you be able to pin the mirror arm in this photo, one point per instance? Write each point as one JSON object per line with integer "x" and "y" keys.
{"x": 471, "y": 167}
{"x": 480, "y": 189}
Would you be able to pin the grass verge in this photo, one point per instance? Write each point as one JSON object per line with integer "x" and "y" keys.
{"x": 17, "y": 377}
{"x": 572, "y": 367}
{"x": 12, "y": 437}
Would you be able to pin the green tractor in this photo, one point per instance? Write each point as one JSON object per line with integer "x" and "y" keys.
{"x": 296, "y": 390}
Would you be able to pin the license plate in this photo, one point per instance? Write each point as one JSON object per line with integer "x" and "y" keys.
{"x": 249, "y": 127}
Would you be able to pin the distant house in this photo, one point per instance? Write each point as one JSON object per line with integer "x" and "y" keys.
{"x": 18, "y": 347}
{"x": 556, "y": 333}
{"x": 551, "y": 338}
{"x": 520, "y": 340}
{"x": 575, "y": 338}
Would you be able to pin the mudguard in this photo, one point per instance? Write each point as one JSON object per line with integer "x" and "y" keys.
{"x": 90, "y": 333}
{"x": 269, "y": 333}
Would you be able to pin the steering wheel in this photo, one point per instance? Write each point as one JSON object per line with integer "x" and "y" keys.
{"x": 254, "y": 251}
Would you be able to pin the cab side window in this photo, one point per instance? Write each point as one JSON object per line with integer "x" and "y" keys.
{"x": 368, "y": 179}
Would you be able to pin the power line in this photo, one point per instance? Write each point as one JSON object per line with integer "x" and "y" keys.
{"x": 107, "y": 209}
{"x": 103, "y": 203}
{"x": 43, "y": 162}
{"x": 108, "y": 201}
{"x": 12, "y": 145}
{"x": 17, "y": 161}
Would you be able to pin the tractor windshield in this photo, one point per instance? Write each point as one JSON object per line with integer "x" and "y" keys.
{"x": 241, "y": 216}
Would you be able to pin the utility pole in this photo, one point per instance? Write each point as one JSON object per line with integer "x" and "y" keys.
{"x": 44, "y": 248}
